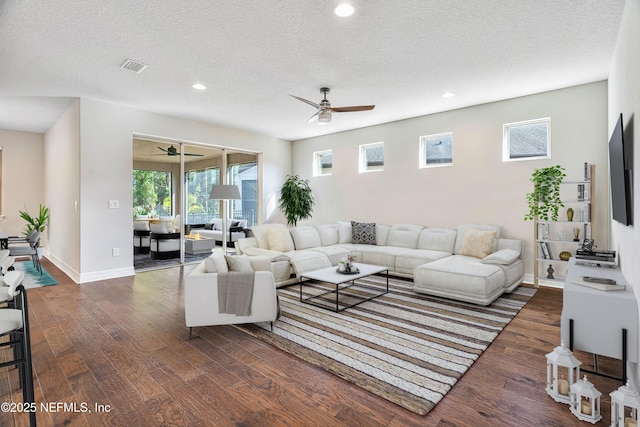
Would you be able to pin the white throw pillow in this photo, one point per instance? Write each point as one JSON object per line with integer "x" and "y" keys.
{"x": 216, "y": 263}
{"x": 158, "y": 227}
{"x": 477, "y": 243}
{"x": 141, "y": 225}
{"x": 279, "y": 239}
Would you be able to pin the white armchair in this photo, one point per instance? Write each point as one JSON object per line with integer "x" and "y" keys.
{"x": 201, "y": 294}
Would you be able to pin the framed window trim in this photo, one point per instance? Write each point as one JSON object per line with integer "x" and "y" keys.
{"x": 320, "y": 166}
{"x": 434, "y": 163}
{"x": 507, "y": 155}
{"x": 375, "y": 165}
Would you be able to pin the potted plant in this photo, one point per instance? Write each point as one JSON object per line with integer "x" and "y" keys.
{"x": 39, "y": 222}
{"x": 296, "y": 200}
{"x": 544, "y": 202}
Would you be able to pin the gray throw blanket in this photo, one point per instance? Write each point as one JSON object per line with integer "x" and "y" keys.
{"x": 235, "y": 292}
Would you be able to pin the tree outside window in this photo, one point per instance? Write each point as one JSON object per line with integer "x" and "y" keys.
{"x": 151, "y": 193}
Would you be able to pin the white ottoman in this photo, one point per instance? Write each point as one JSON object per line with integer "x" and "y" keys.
{"x": 460, "y": 277}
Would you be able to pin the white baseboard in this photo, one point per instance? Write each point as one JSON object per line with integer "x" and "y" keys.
{"x": 93, "y": 276}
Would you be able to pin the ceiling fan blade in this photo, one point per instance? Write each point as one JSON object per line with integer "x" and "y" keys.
{"x": 306, "y": 101}
{"x": 188, "y": 154}
{"x": 314, "y": 117}
{"x": 351, "y": 109}
{"x": 163, "y": 149}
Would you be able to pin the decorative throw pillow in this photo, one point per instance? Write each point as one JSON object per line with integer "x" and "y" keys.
{"x": 238, "y": 263}
{"x": 209, "y": 226}
{"x": 477, "y": 243}
{"x": 279, "y": 239}
{"x": 141, "y": 226}
{"x": 235, "y": 223}
{"x": 158, "y": 227}
{"x": 363, "y": 233}
{"x": 216, "y": 263}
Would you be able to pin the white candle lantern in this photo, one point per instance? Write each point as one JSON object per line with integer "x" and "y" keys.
{"x": 585, "y": 401}
{"x": 625, "y": 403}
{"x": 563, "y": 370}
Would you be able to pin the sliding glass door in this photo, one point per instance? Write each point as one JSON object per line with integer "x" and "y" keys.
{"x": 174, "y": 180}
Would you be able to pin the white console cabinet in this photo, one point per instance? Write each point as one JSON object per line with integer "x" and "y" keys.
{"x": 603, "y": 322}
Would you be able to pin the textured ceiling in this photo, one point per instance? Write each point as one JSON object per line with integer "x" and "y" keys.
{"x": 401, "y": 55}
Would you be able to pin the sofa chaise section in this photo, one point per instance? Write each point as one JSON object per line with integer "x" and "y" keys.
{"x": 470, "y": 274}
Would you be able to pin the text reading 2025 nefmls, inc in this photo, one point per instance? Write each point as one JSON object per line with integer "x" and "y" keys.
{"x": 53, "y": 407}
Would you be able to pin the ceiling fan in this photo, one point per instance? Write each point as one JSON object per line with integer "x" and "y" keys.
{"x": 173, "y": 151}
{"x": 323, "y": 115}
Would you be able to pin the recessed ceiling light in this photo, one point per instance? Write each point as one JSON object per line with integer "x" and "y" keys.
{"x": 343, "y": 10}
{"x": 448, "y": 94}
{"x": 199, "y": 86}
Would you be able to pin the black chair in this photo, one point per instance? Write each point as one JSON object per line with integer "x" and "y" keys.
{"x": 141, "y": 242}
{"x": 14, "y": 323}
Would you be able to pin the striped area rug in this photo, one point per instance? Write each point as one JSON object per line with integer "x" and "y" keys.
{"x": 405, "y": 347}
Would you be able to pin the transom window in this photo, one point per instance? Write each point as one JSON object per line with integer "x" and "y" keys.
{"x": 436, "y": 150}
{"x": 528, "y": 140}
{"x": 372, "y": 157}
{"x": 322, "y": 163}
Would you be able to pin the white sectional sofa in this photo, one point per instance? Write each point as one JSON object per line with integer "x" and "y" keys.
{"x": 213, "y": 230}
{"x": 472, "y": 263}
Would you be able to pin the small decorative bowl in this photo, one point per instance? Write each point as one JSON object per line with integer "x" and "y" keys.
{"x": 564, "y": 255}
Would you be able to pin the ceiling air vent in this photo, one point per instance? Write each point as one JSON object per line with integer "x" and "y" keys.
{"x": 133, "y": 65}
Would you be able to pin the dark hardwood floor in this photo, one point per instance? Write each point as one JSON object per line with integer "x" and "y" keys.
{"x": 120, "y": 347}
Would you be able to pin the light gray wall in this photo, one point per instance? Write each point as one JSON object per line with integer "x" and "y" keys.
{"x": 22, "y": 177}
{"x": 62, "y": 189}
{"x": 479, "y": 187}
{"x": 624, "y": 97}
{"x": 104, "y": 173}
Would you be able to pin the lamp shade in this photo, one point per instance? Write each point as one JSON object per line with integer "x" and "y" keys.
{"x": 224, "y": 192}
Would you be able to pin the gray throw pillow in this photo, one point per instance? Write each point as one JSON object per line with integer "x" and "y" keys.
{"x": 363, "y": 233}
{"x": 209, "y": 226}
{"x": 238, "y": 263}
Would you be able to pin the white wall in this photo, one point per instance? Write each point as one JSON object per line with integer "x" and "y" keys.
{"x": 62, "y": 189}
{"x": 479, "y": 187}
{"x": 22, "y": 177}
{"x": 624, "y": 97}
{"x": 104, "y": 173}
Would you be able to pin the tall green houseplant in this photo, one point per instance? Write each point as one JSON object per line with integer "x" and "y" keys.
{"x": 39, "y": 222}
{"x": 296, "y": 200}
{"x": 544, "y": 202}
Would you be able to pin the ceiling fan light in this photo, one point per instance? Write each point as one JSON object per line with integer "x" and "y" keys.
{"x": 324, "y": 117}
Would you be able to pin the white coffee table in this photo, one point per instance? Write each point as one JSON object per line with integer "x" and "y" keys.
{"x": 332, "y": 276}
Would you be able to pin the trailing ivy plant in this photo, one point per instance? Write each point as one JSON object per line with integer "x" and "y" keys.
{"x": 296, "y": 200}
{"x": 544, "y": 202}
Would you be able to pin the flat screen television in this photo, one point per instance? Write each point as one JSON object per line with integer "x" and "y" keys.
{"x": 619, "y": 176}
